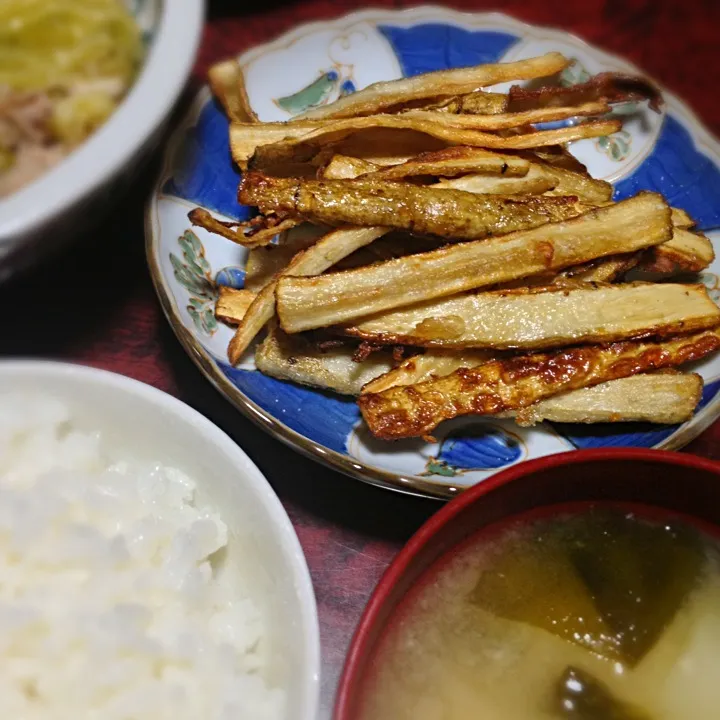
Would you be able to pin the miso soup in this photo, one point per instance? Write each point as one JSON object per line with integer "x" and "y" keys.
{"x": 593, "y": 612}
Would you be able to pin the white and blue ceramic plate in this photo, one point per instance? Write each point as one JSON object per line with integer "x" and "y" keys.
{"x": 670, "y": 153}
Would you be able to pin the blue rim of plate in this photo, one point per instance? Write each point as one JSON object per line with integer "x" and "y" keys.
{"x": 700, "y": 138}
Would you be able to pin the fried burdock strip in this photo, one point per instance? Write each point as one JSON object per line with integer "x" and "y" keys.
{"x": 245, "y": 137}
{"x": 271, "y": 192}
{"x": 500, "y": 179}
{"x": 253, "y": 233}
{"x": 445, "y": 212}
{"x": 232, "y": 304}
{"x": 534, "y": 182}
{"x": 440, "y": 84}
{"x": 664, "y": 397}
{"x": 507, "y": 121}
{"x": 342, "y": 167}
{"x": 433, "y": 363}
{"x": 263, "y": 263}
{"x": 603, "y": 271}
{"x": 482, "y": 171}
{"x": 460, "y": 160}
{"x": 303, "y": 146}
{"x": 379, "y": 146}
{"x": 607, "y": 87}
{"x": 451, "y": 162}
{"x": 480, "y": 102}
{"x": 294, "y": 358}
{"x": 325, "y": 253}
{"x": 541, "y": 318}
{"x": 685, "y": 252}
{"x": 681, "y": 219}
{"x": 336, "y": 246}
{"x": 556, "y": 156}
{"x": 510, "y": 384}
{"x": 606, "y": 270}
{"x": 228, "y": 86}
{"x": 386, "y": 140}
{"x": 285, "y": 207}
{"x": 314, "y": 258}
{"x": 569, "y": 182}
{"x": 309, "y": 259}
{"x": 340, "y": 298}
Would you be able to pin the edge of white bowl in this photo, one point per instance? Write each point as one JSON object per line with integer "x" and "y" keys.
{"x": 166, "y": 70}
{"x": 216, "y": 436}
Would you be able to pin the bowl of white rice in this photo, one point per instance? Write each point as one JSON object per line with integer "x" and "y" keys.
{"x": 147, "y": 569}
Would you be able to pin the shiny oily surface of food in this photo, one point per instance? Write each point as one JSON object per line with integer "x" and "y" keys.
{"x": 319, "y": 154}
{"x": 588, "y": 612}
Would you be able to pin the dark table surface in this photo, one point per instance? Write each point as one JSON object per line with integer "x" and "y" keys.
{"x": 95, "y": 303}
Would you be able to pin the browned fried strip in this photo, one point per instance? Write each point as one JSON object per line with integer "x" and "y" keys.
{"x": 342, "y": 167}
{"x": 506, "y": 121}
{"x": 337, "y": 298}
{"x": 304, "y": 145}
{"x": 545, "y": 317}
{"x": 442, "y": 212}
{"x": 294, "y": 358}
{"x": 666, "y": 397}
{"x": 685, "y": 252}
{"x": 452, "y": 161}
{"x": 556, "y": 156}
{"x": 264, "y": 262}
{"x": 246, "y": 137}
{"x": 315, "y": 259}
{"x": 568, "y": 182}
{"x": 228, "y": 86}
{"x": 605, "y": 270}
{"x": 379, "y": 146}
{"x": 511, "y": 384}
{"x": 460, "y": 160}
{"x": 681, "y": 219}
{"x": 486, "y": 172}
{"x": 479, "y": 103}
{"x": 534, "y": 182}
{"x": 254, "y": 233}
{"x": 434, "y": 363}
{"x": 439, "y": 84}
{"x": 608, "y": 86}
{"x": 232, "y": 304}
{"x": 327, "y": 252}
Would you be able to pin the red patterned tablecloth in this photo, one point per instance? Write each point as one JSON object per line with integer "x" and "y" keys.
{"x": 95, "y": 304}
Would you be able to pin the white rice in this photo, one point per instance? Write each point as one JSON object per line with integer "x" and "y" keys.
{"x": 109, "y": 606}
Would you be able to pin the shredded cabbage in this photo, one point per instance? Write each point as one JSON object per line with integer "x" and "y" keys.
{"x": 54, "y": 44}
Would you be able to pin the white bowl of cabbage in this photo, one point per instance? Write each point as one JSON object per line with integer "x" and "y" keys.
{"x": 147, "y": 569}
{"x": 85, "y": 88}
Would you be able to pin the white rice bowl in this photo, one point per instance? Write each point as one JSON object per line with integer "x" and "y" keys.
{"x": 124, "y": 595}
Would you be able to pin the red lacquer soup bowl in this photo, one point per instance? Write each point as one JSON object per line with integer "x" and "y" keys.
{"x": 655, "y": 480}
